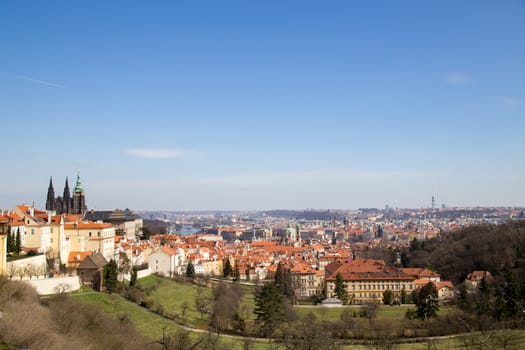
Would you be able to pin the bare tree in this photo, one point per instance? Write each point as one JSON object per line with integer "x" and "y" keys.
{"x": 185, "y": 307}
{"x": 63, "y": 288}
{"x": 226, "y": 301}
{"x": 11, "y": 271}
{"x": 202, "y": 303}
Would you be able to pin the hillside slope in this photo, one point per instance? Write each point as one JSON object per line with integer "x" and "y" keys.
{"x": 495, "y": 248}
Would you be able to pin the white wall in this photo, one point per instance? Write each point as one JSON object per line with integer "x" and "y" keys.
{"x": 22, "y": 268}
{"x": 52, "y": 285}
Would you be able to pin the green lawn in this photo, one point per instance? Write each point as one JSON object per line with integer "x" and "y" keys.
{"x": 173, "y": 295}
{"x": 147, "y": 323}
{"x": 151, "y": 325}
{"x": 392, "y": 313}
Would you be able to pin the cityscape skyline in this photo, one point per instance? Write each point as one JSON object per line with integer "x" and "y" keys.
{"x": 256, "y": 106}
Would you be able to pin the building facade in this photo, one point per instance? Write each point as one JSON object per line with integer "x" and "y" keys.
{"x": 4, "y": 222}
{"x": 93, "y": 236}
{"x": 126, "y": 223}
{"x": 367, "y": 279}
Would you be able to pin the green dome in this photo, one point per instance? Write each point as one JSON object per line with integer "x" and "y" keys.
{"x": 78, "y": 186}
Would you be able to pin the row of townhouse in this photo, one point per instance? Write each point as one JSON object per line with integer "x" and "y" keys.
{"x": 307, "y": 281}
{"x": 172, "y": 258}
{"x": 59, "y": 236}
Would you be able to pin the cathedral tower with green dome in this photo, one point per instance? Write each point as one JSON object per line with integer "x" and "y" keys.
{"x": 67, "y": 204}
{"x": 79, "y": 198}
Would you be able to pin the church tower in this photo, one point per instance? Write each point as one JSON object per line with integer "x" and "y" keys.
{"x": 66, "y": 199}
{"x": 50, "y": 201}
{"x": 79, "y": 198}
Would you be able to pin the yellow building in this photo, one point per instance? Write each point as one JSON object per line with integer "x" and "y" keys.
{"x": 306, "y": 281}
{"x": 367, "y": 279}
{"x": 212, "y": 267}
{"x": 94, "y": 236}
{"x": 4, "y": 223}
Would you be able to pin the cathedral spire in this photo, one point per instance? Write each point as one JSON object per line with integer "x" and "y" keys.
{"x": 50, "y": 201}
{"x": 66, "y": 199}
{"x": 78, "y": 186}
{"x": 79, "y": 198}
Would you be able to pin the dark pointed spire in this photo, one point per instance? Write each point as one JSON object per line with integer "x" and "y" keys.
{"x": 50, "y": 201}
{"x": 66, "y": 199}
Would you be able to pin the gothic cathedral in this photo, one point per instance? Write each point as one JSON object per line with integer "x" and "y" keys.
{"x": 67, "y": 204}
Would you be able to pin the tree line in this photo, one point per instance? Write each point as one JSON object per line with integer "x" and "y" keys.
{"x": 14, "y": 241}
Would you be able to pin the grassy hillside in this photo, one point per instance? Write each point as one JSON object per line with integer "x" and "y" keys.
{"x": 151, "y": 326}
{"x": 59, "y": 323}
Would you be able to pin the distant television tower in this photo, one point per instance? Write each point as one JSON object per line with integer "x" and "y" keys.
{"x": 433, "y": 201}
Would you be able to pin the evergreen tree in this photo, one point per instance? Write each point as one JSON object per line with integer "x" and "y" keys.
{"x": 279, "y": 275}
{"x": 464, "y": 301}
{"x": 283, "y": 280}
{"x": 269, "y": 308}
{"x": 111, "y": 276}
{"x": 9, "y": 240}
{"x": 426, "y": 300}
{"x": 404, "y": 298}
{"x": 227, "y": 269}
{"x": 387, "y": 297}
{"x": 510, "y": 297}
{"x": 498, "y": 305}
{"x": 288, "y": 290}
{"x": 483, "y": 297}
{"x": 340, "y": 288}
{"x": 133, "y": 278}
{"x": 18, "y": 242}
{"x": 236, "y": 274}
{"x": 190, "y": 270}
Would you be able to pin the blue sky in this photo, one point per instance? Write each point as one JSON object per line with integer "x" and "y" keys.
{"x": 187, "y": 105}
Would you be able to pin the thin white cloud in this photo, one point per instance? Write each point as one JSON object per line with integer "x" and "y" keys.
{"x": 456, "y": 78}
{"x": 158, "y": 153}
{"x": 33, "y": 80}
{"x": 505, "y": 101}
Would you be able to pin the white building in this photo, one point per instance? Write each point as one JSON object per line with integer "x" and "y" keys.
{"x": 165, "y": 261}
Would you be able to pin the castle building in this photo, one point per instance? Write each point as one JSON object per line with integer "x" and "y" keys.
{"x": 67, "y": 204}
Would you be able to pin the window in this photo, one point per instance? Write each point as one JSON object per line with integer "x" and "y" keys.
{"x": 32, "y": 232}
